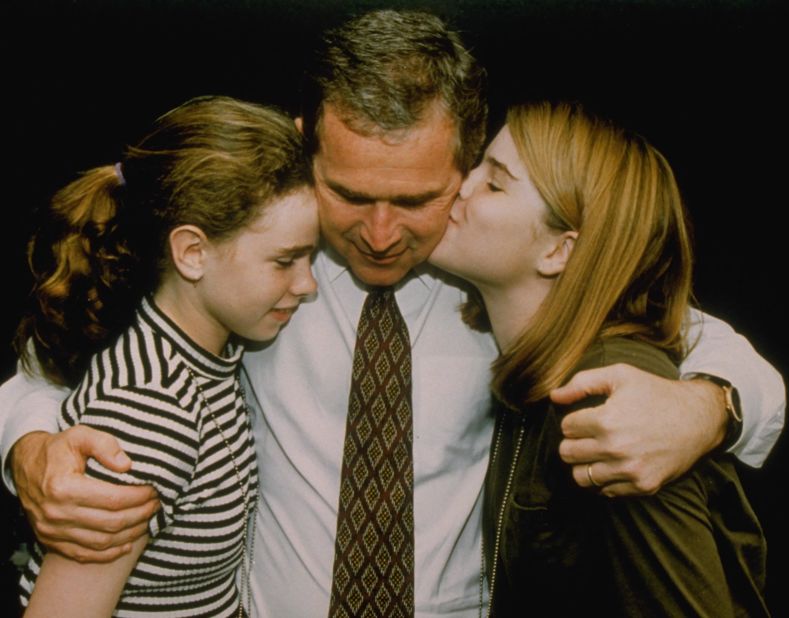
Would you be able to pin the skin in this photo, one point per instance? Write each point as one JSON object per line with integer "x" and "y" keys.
{"x": 250, "y": 285}
{"x": 384, "y": 204}
{"x": 89, "y": 591}
{"x": 384, "y": 201}
{"x": 498, "y": 240}
{"x": 636, "y": 449}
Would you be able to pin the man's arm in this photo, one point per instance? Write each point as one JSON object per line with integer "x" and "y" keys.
{"x": 636, "y": 448}
{"x": 28, "y": 403}
{"x": 83, "y": 518}
{"x": 723, "y": 353}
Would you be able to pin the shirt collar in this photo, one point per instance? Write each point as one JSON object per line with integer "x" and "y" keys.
{"x": 200, "y": 359}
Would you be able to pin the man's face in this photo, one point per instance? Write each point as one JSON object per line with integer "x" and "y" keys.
{"x": 384, "y": 201}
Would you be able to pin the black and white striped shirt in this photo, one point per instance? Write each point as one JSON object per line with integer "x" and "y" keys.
{"x": 143, "y": 391}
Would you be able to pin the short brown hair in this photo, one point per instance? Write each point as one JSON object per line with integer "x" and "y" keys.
{"x": 384, "y": 70}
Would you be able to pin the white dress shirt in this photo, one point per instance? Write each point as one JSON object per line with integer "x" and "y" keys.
{"x": 300, "y": 384}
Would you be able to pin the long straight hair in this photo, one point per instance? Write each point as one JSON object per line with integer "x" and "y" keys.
{"x": 630, "y": 271}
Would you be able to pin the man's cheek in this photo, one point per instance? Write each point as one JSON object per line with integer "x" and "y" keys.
{"x": 330, "y": 217}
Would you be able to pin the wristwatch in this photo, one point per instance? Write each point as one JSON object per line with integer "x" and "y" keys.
{"x": 733, "y": 409}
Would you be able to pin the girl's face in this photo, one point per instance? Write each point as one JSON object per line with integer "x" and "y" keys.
{"x": 254, "y": 282}
{"x": 496, "y": 226}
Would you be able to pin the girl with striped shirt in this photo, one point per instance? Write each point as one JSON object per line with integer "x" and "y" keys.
{"x": 143, "y": 272}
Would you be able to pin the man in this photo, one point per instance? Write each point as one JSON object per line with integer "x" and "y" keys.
{"x": 394, "y": 117}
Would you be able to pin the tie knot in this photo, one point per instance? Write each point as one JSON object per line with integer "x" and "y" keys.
{"x": 380, "y": 299}
{"x": 386, "y": 294}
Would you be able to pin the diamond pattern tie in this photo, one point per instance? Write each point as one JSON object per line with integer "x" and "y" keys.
{"x": 374, "y": 547}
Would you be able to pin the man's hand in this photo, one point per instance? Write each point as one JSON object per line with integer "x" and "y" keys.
{"x": 649, "y": 431}
{"x": 82, "y": 518}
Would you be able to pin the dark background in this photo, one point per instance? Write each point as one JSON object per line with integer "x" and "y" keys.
{"x": 701, "y": 80}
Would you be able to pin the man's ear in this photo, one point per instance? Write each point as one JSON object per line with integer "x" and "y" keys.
{"x": 299, "y": 122}
{"x": 188, "y": 244}
{"x": 553, "y": 262}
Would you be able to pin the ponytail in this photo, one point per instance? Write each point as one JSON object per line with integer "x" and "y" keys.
{"x": 212, "y": 162}
{"x": 81, "y": 266}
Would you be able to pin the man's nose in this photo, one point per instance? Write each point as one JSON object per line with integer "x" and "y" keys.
{"x": 381, "y": 227}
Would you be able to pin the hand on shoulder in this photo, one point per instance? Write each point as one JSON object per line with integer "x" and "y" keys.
{"x": 649, "y": 430}
{"x": 85, "y": 519}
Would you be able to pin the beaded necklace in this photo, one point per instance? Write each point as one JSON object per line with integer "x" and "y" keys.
{"x": 246, "y": 558}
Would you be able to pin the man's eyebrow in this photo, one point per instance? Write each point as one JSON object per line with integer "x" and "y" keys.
{"x": 406, "y": 199}
{"x": 493, "y": 162}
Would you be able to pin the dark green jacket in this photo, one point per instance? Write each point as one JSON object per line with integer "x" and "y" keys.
{"x": 693, "y": 549}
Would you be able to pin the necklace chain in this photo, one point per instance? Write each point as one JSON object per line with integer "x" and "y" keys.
{"x": 246, "y": 494}
{"x": 493, "y": 456}
{"x": 500, "y": 520}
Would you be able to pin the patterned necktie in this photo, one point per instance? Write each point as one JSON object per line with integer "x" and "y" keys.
{"x": 374, "y": 548}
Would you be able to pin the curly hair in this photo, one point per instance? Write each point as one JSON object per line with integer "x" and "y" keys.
{"x": 213, "y": 162}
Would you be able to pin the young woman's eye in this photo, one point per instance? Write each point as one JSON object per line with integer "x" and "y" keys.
{"x": 493, "y": 187}
{"x": 285, "y": 262}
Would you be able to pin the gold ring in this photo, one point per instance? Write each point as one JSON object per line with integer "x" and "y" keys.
{"x": 590, "y": 477}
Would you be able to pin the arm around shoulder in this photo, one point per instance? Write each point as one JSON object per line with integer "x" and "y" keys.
{"x": 80, "y": 517}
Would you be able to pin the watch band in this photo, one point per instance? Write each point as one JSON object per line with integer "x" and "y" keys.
{"x": 733, "y": 409}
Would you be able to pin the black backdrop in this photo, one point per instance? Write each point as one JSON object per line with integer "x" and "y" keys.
{"x": 700, "y": 79}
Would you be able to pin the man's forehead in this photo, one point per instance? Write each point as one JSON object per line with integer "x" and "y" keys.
{"x": 414, "y": 163}
{"x": 370, "y": 183}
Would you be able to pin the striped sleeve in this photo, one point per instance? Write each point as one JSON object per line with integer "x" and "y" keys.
{"x": 159, "y": 437}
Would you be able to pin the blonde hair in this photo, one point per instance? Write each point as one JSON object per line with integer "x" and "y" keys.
{"x": 630, "y": 271}
{"x": 213, "y": 162}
